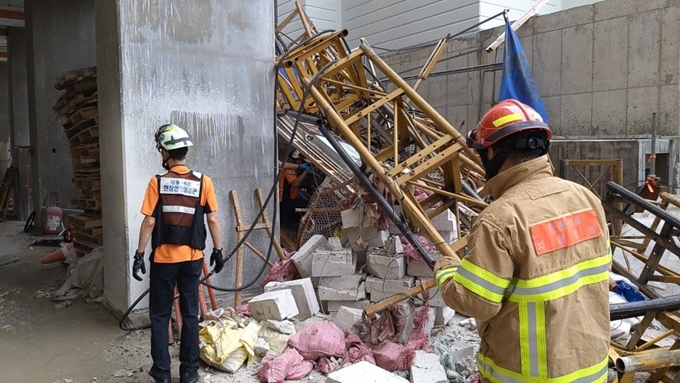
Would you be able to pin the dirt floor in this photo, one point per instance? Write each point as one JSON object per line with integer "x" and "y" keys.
{"x": 83, "y": 344}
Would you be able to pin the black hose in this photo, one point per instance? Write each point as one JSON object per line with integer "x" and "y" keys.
{"x": 633, "y": 309}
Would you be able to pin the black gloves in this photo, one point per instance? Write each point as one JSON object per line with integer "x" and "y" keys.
{"x": 138, "y": 265}
{"x": 217, "y": 259}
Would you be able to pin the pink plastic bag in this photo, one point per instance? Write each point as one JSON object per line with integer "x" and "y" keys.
{"x": 282, "y": 271}
{"x": 393, "y": 356}
{"x": 356, "y": 351}
{"x": 319, "y": 340}
{"x": 287, "y": 366}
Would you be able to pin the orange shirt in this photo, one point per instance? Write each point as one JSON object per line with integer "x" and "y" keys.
{"x": 288, "y": 175}
{"x": 167, "y": 253}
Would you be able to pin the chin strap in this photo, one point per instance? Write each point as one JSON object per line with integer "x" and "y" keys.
{"x": 493, "y": 165}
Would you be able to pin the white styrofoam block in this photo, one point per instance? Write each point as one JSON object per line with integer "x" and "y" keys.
{"x": 277, "y": 305}
{"x": 346, "y": 317}
{"x": 427, "y": 369}
{"x": 303, "y": 293}
{"x": 331, "y": 294}
{"x": 363, "y": 372}
{"x": 443, "y": 315}
{"x": 345, "y": 282}
{"x": 333, "y": 263}
{"x": 383, "y": 266}
{"x": 302, "y": 259}
{"x": 334, "y": 306}
{"x": 374, "y": 284}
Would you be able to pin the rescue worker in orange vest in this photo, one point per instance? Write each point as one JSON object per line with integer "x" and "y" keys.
{"x": 536, "y": 274}
{"x": 175, "y": 207}
{"x": 291, "y": 179}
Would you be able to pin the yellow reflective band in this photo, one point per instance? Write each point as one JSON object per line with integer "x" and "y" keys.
{"x": 481, "y": 282}
{"x": 563, "y": 282}
{"x": 507, "y": 119}
{"x": 444, "y": 275}
{"x": 496, "y": 374}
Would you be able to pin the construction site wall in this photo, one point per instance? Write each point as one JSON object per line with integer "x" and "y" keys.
{"x": 602, "y": 69}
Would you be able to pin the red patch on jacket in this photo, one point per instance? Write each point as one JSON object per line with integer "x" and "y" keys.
{"x": 565, "y": 231}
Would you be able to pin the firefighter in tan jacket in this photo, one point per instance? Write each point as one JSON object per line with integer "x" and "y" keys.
{"x": 536, "y": 274}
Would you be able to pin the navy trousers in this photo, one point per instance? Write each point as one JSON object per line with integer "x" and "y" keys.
{"x": 163, "y": 277}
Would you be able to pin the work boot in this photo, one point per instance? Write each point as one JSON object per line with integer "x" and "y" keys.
{"x": 166, "y": 379}
{"x": 188, "y": 377}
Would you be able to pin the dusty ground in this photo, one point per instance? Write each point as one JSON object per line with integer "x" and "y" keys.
{"x": 82, "y": 343}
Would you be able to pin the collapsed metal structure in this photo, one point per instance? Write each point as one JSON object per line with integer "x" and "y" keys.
{"x": 327, "y": 91}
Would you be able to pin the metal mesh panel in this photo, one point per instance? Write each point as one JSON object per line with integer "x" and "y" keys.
{"x": 323, "y": 212}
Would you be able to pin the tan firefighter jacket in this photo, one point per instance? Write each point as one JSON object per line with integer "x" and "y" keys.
{"x": 536, "y": 279}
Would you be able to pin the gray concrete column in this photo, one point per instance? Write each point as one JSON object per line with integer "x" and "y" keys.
{"x": 19, "y": 128}
{"x": 4, "y": 112}
{"x": 61, "y": 37}
{"x": 206, "y": 65}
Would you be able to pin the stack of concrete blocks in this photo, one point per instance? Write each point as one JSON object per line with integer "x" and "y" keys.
{"x": 304, "y": 257}
{"x": 360, "y": 232}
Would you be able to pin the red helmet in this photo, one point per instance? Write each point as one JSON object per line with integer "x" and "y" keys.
{"x": 503, "y": 119}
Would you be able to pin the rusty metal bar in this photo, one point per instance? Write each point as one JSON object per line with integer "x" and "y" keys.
{"x": 648, "y": 361}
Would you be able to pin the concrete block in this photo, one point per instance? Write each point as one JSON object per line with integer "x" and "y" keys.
{"x": 345, "y": 282}
{"x": 547, "y": 66}
{"x": 383, "y": 266}
{"x": 366, "y": 237}
{"x": 644, "y": 49}
{"x": 564, "y": 19}
{"x": 427, "y": 369}
{"x": 394, "y": 246}
{"x": 303, "y": 293}
{"x": 577, "y": 59}
{"x": 449, "y": 236}
{"x": 302, "y": 259}
{"x": 608, "y": 116}
{"x": 393, "y": 286}
{"x": 641, "y": 103}
{"x": 334, "y": 306}
{"x": 277, "y": 305}
{"x": 368, "y": 373}
{"x": 445, "y": 221}
{"x": 443, "y": 315}
{"x": 670, "y": 46}
{"x": 327, "y": 263}
{"x": 334, "y": 243}
{"x": 350, "y": 218}
{"x": 610, "y": 54}
{"x": 464, "y": 352}
{"x": 418, "y": 268}
{"x": 576, "y": 118}
{"x": 333, "y": 294}
{"x": 616, "y": 8}
{"x": 668, "y": 110}
{"x": 346, "y": 317}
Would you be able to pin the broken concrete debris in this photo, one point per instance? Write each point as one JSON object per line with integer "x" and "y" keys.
{"x": 427, "y": 369}
{"x": 347, "y": 317}
{"x": 277, "y": 305}
{"x": 364, "y": 372}
{"x": 333, "y": 263}
{"x": 303, "y": 293}
{"x": 382, "y": 265}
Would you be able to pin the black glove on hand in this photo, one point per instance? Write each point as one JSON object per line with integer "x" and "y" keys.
{"x": 138, "y": 265}
{"x": 217, "y": 259}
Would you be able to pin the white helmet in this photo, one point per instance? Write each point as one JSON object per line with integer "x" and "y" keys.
{"x": 171, "y": 137}
{"x": 296, "y": 154}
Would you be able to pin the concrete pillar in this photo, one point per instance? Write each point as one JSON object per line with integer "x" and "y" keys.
{"x": 19, "y": 128}
{"x": 4, "y": 112}
{"x": 206, "y": 65}
{"x": 61, "y": 37}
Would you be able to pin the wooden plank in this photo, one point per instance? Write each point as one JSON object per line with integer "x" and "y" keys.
{"x": 11, "y": 14}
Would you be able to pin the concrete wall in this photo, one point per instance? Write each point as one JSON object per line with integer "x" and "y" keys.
{"x": 4, "y": 103}
{"x": 602, "y": 69}
{"x": 61, "y": 37}
{"x": 206, "y": 65}
{"x": 19, "y": 127}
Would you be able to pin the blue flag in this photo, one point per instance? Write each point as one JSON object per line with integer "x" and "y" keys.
{"x": 517, "y": 81}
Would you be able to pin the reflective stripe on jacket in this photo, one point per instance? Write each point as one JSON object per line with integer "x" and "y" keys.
{"x": 179, "y": 214}
{"x": 536, "y": 279}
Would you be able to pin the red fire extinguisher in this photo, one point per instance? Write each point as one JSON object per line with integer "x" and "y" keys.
{"x": 52, "y": 224}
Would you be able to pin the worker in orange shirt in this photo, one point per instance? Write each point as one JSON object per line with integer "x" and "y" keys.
{"x": 291, "y": 197}
{"x": 175, "y": 207}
